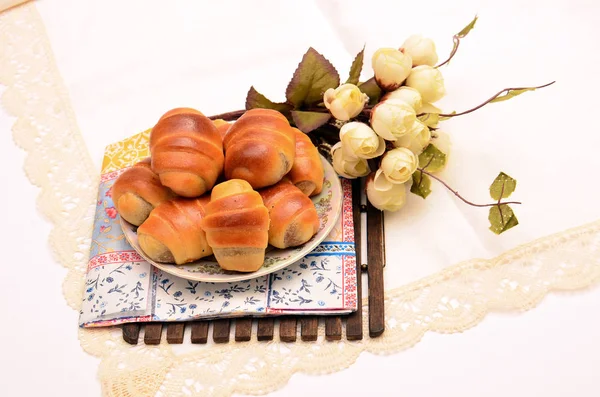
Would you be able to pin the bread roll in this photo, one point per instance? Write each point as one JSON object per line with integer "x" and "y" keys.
{"x": 137, "y": 191}
{"x": 294, "y": 218}
{"x": 222, "y": 126}
{"x": 187, "y": 152}
{"x": 173, "y": 233}
{"x": 259, "y": 148}
{"x": 307, "y": 172}
{"x": 237, "y": 226}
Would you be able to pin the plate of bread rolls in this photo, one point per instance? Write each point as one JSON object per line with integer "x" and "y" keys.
{"x": 223, "y": 202}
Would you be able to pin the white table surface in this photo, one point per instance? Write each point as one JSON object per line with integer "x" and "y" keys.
{"x": 552, "y": 350}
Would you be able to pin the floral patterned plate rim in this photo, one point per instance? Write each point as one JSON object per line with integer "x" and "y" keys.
{"x": 329, "y": 206}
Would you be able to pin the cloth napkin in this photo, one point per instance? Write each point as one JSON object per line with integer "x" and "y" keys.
{"x": 122, "y": 287}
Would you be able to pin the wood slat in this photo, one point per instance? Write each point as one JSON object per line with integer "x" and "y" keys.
{"x": 175, "y": 333}
{"x": 131, "y": 333}
{"x": 153, "y": 333}
{"x": 376, "y": 260}
{"x": 243, "y": 329}
{"x": 200, "y": 331}
{"x": 265, "y": 329}
{"x": 221, "y": 330}
{"x": 333, "y": 328}
{"x": 354, "y": 326}
{"x": 287, "y": 329}
{"x": 310, "y": 328}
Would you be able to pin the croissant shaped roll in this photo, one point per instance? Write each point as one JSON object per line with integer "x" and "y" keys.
{"x": 173, "y": 234}
{"x": 259, "y": 148}
{"x": 307, "y": 172}
{"x": 137, "y": 191}
{"x": 222, "y": 126}
{"x": 294, "y": 219}
{"x": 236, "y": 225}
{"x": 187, "y": 152}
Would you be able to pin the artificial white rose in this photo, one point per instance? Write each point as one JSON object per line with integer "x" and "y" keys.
{"x": 421, "y": 50}
{"x": 398, "y": 165}
{"x": 392, "y": 118}
{"x": 391, "y": 67}
{"x": 416, "y": 140}
{"x": 406, "y": 94}
{"x": 389, "y": 197}
{"x": 359, "y": 140}
{"x": 345, "y": 102}
{"x": 348, "y": 166}
{"x": 428, "y": 81}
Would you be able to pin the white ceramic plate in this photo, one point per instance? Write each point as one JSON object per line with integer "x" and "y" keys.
{"x": 329, "y": 206}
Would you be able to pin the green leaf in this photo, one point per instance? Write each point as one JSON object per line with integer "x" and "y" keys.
{"x": 502, "y": 218}
{"x": 356, "y": 67}
{"x": 511, "y": 94}
{"x": 255, "y": 99}
{"x": 432, "y": 159}
{"x": 421, "y": 184}
{"x": 312, "y": 78}
{"x": 371, "y": 88}
{"x": 503, "y": 186}
{"x": 467, "y": 28}
{"x": 430, "y": 119}
{"x": 309, "y": 121}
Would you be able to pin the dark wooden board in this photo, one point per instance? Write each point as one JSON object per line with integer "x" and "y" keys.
{"x": 221, "y": 330}
{"x": 200, "y": 331}
{"x": 243, "y": 329}
{"x": 333, "y": 328}
{"x": 265, "y": 329}
{"x": 131, "y": 333}
{"x": 175, "y": 333}
{"x": 376, "y": 261}
{"x": 310, "y": 328}
{"x": 153, "y": 333}
{"x": 287, "y": 329}
{"x": 354, "y": 326}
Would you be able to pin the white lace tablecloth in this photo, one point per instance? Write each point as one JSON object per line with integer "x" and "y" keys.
{"x": 79, "y": 75}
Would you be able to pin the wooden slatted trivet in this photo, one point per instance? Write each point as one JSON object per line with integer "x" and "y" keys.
{"x": 288, "y": 326}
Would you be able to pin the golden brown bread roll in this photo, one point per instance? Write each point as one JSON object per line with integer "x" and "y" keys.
{"x": 237, "y": 226}
{"x": 259, "y": 148}
{"x": 173, "y": 233}
{"x": 294, "y": 218}
{"x": 307, "y": 172}
{"x": 137, "y": 191}
{"x": 222, "y": 126}
{"x": 187, "y": 152}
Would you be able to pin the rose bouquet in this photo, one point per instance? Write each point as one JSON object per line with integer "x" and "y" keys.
{"x": 385, "y": 129}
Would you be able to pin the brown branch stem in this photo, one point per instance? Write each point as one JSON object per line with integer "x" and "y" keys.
{"x": 229, "y": 116}
{"x": 461, "y": 197}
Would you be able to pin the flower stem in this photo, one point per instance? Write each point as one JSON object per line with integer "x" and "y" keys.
{"x": 454, "y": 49}
{"x": 505, "y": 90}
{"x": 461, "y": 197}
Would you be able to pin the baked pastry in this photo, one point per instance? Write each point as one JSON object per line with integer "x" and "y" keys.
{"x": 294, "y": 218}
{"x": 173, "y": 233}
{"x": 307, "y": 172}
{"x": 222, "y": 126}
{"x": 259, "y": 148}
{"x": 237, "y": 226}
{"x": 187, "y": 152}
{"x": 137, "y": 191}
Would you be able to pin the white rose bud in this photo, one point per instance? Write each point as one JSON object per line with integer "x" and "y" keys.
{"x": 392, "y": 118}
{"x": 345, "y": 102}
{"x": 398, "y": 165}
{"x": 359, "y": 140}
{"x": 421, "y": 50}
{"x": 416, "y": 140}
{"x": 406, "y": 94}
{"x": 428, "y": 81}
{"x": 391, "y": 67}
{"x": 347, "y": 166}
{"x": 389, "y": 197}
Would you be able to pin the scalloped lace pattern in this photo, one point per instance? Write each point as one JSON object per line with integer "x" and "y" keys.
{"x": 450, "y": 301}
